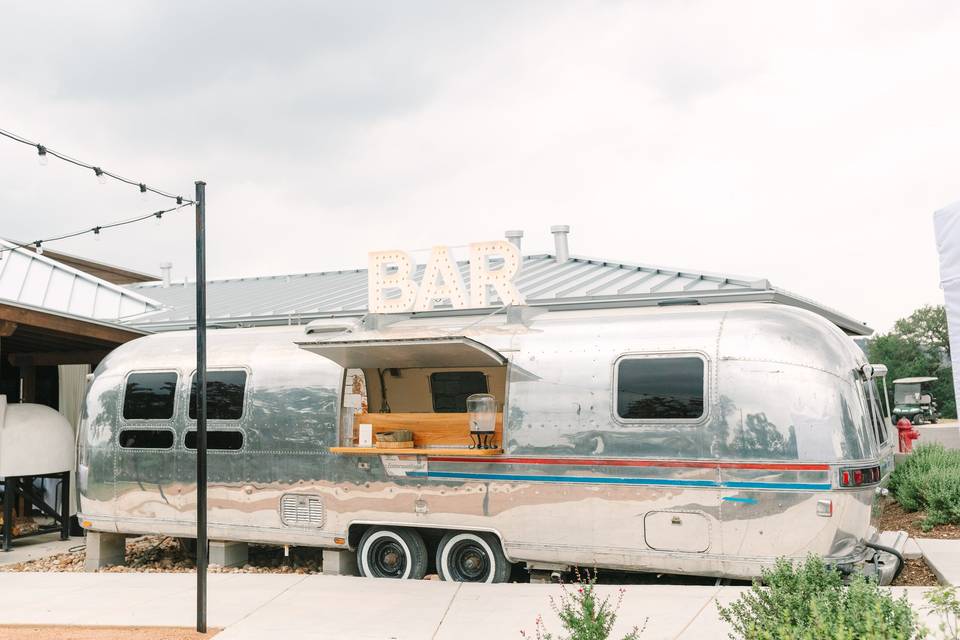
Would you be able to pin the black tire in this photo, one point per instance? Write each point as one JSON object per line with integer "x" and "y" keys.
{"x": 392, "y": 552}
{"x": 472, "y": 556}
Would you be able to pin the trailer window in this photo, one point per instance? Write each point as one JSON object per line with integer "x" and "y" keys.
{"x": 216, "y": 440}
{"x": 872, "y": 396}
{"x": 149, "y": 396}
{"x": 450, "y": 389}
{"x": 660, "y": 388}
{"x": 146, "y": 438}
{"x": 224, "y": 395}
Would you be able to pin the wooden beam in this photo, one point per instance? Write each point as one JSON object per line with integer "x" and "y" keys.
{"x": 75, "y": 326}
{"x": 7, "y": 328}
{"x": 48, "y": 358}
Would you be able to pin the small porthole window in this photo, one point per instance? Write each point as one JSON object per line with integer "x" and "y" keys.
{"x": 146, "y": 438}
{"x": 216, "y": 440}
{"x": 660, "y": 388}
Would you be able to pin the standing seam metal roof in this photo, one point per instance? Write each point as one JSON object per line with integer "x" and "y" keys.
{"x": 542, "y": 280}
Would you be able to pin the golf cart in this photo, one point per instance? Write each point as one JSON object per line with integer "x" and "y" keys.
{"x": 912, "y": 400}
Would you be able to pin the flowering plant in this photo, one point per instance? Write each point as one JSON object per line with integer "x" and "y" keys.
{"x": 582, "y": 615}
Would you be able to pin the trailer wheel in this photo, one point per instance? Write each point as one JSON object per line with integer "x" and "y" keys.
{"x": 468, "y": 556}
{"x": 386, "y": 552}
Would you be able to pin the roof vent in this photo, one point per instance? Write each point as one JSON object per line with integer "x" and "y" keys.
{"x": 514, "y": 236}
{"x": 165, "y": 268}
{"x": 561, "y": 248}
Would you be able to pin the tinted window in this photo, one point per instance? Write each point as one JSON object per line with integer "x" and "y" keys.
{"x": 146, "y": 438}
{"x": 149, "y": 396}
{"x": 660, "y": 388}
{"x": 873, "y": 410}
{"x": 216, "y": 440}
{"x": 451, "y": 388}
{"x": 224, "y": 395}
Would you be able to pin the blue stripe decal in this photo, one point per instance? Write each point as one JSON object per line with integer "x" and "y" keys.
{"x": 743, "y": 500}
{"x": 666, "y": 482}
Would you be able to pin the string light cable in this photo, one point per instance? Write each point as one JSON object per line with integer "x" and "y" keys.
{"x": 44, "y": 152}
{"x": 38, "y": 244}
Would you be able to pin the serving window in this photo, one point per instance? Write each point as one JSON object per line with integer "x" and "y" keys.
{"x": 410, "y": 393}
{"x": 656, "y": 388}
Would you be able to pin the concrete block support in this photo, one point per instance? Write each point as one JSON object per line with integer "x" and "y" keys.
{"x": 339, "y": 562}
{"x": 104, "y": 550}
{"x": 228, "y": 554}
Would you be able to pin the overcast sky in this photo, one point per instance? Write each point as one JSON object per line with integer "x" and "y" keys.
{"x": 808, "y": 143}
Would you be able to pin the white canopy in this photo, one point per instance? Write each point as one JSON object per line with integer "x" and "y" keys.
{"x": 946, "y": 224}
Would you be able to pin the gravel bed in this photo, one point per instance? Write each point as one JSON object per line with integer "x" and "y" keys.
{"x": 158, "y": 554}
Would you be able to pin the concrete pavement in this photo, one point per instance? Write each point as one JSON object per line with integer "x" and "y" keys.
{"x": 251, "y": 606}
{"x": 943, "y": 557}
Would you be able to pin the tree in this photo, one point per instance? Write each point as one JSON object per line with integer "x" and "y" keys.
{"x": 919, "y": 345}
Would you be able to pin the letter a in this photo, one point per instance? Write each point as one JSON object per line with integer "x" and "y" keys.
{"x": 441, "y": 280}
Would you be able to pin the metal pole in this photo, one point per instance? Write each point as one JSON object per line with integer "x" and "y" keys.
{"x": 201, "y": 381}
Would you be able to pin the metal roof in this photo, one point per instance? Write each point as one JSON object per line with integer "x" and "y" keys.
{"x": 577, "y": 283}
{"x": 39, "y": 282}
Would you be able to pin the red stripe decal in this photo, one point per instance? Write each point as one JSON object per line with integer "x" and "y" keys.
{"x": 599, "y": 462}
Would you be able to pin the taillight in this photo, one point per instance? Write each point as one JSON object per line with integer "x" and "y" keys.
{"x": 859, "y": 477}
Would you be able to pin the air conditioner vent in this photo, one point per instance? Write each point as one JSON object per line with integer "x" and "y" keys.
{"x": 298, "y": 510}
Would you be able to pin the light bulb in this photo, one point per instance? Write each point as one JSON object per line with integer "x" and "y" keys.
{"x": 96, "y": 234}
{"x": 101, "y": 176}
{"x": 143, "y": 190}
{"x": 158, "y": 216}
{"x": 42, "y": 156}
{"x": 39, "y": 249}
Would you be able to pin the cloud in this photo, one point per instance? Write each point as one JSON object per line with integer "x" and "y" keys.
{"x": 806, "y": 144}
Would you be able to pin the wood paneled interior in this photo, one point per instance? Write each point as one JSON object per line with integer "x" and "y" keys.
{"x": 429, "y": 429}
{"x": 410, "y": 393}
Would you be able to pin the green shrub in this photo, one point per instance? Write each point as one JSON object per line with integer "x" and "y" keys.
{"x": 810, "y": 602}
{"x": 582, "y": 615}
{"x": 929, "y": 480}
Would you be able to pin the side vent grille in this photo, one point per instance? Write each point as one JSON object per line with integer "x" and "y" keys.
{"x": 297, "y": 510}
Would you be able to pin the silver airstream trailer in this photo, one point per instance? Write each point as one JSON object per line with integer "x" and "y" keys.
{"x": 704, "y": 440}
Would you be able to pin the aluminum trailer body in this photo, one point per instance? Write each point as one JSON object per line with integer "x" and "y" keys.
{"x": 758, "y": 474}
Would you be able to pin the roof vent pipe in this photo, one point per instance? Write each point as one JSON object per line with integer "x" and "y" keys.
{"x": 561, "y": 249}
{"x": 165, "y": 268}
{"x": 514, "y": 236}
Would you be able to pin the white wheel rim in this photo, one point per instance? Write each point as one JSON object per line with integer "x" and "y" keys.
{"x": 445, "y": 554}
{"x": 365, "y": 562}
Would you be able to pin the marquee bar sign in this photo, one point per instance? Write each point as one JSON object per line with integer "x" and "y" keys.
{"x": 392, "y": 271}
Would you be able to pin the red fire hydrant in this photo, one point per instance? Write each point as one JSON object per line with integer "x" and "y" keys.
{"x": 907, "y": 435}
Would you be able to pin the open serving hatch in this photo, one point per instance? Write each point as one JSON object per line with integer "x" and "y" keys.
{"x": 412, "y": 380}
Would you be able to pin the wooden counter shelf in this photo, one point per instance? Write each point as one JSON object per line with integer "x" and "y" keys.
{"x": 434, "y": 434}
{"x": 374, "y": 451}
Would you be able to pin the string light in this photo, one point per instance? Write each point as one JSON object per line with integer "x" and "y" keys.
{"x": 38, "y": 244}
{"x": 44, "y": 152}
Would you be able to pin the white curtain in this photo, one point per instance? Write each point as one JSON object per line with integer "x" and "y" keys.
{"x": 73, "y": 385}
{"x": 946, "y": 223}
